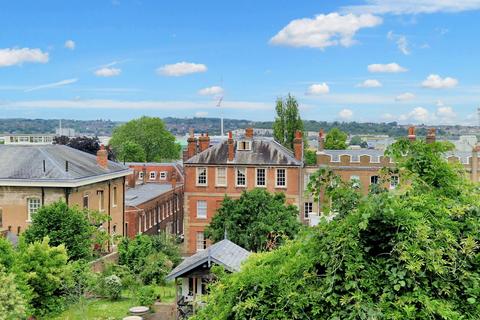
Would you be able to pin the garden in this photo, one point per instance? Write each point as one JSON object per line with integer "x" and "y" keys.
{"x": 48, "y": 275}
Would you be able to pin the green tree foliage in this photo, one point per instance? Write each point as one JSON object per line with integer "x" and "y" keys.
{"x": 132, "y": 152}
{"x": 12, "y": 302}
{"x": 310, "y": 157}
{"x": 86, "y": 144}
{"x": 257, "y": 221}
{"x": 336, "y": 140}
{"x": 148, "y": 133}
{"x": 340, "y": 197}
{"x": 412, "y": 253}
{"x": 7, "y": 254}
{"x": 287, "y": 121}
{"x": 63, "y": 225}
{"x": 357, "y": 141}
{"x": 43, "y": 272}
{"x": 150, "y": 257}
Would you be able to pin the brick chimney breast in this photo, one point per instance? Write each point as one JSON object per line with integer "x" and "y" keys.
{"x": 231, "y": 149}
{"x": 321, "y": 140}
{"x": 102, "y": 157}
{"x": 431, "y": 135}
{"x": 191, "y": 145}
{"x": 298, "y": 145}
{"x": 204, "y": 142}
{"x": 411, "y": 134}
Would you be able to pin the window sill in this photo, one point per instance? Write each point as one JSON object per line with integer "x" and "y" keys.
{"x": 280, "y": 187}
{"x": 257, "y": 186}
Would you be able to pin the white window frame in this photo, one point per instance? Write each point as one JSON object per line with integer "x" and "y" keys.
{"x": 264, "y": 177}
{"x": 310, "y": 209}
{"x": 140, "y": 175}
{"x": 32, "y": 208}
{"x": 152, "y": 175}
{"x": 217, "y": 183}
{"x": 163, "y": 175}
{"x": 397, "y": 181}
{"x": 236, "y": 177}
{"x": 86, "y": 196}
{"x": 101, "y": 200}
{"x": 244, "y": 145}
{"x": 202, "y": 205}
{"x": 201, "y": 242}
{"x": 276, "y": 178}
{"x": 198, "y": 177}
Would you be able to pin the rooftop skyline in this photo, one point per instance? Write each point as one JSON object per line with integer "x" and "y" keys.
{"x": 372, "y": 60}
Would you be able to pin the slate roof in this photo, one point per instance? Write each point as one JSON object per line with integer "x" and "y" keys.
{"x": 145, "y": 192}
{"x": 24, "y": 163}
{"x": 375, "y": 155}
{"x": 265, "y": 151}
{"x": 224, "y": 253}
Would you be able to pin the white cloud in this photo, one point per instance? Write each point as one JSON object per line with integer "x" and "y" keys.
{"x": 108, "y": 72}
{"x": 201, "y": 114}
{"x": 405, "y": 96}
{"x": 345, "y": 114}
{"x": 388, "y": 116}
{"x": 446, "y": 112}
{"x": 324, "y": 30}
{"x": 401, "y": 41}
{"x": 11, "y": 57}
{"x": 418, "y": 114}
{"x": 434, "y": 81}
{"x": 53, "y": 85}
{"x": 181, "y": 69}
{"x": 70, "y": 44}
{"x": 413, "y": 6}
{"x": 370, "y": 83}
{"x": 318, "y": 89}
{"x": 386, "y": 68}
{"x": 210, "y": 91}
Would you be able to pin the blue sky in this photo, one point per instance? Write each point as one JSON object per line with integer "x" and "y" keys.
{"x": 391, "y": 60}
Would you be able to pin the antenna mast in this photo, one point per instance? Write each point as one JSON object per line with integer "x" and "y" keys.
{"x": 219, "y": 104}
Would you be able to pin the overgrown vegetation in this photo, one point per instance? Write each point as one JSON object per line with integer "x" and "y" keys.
{"x": 412, "y": 253}
{"x": 257, "y": 221}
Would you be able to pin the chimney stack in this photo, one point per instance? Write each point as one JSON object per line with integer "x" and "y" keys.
{"x": 132, "y": 179}
{"x": 431, "y": 136}
{"x": 249, "y": 133}
{"x": 204, "y": 142}
{"x": 192, "y": 145}
{"x": 102, "y": 157}
{"x": 321, "y": 140}
{"x": 231, "y": 149}
{"x": 411, "y": 134}
{"x": 298, "y": 145}
{"x": 144, "y": 170}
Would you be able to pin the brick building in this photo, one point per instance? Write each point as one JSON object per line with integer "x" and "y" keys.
{"x": 364, "y": 165}
{"x": 231, "y": 167}
{"x": 35, "y": 175}
{"x": 154, "y": 199}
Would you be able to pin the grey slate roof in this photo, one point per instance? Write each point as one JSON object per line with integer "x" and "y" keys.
{"x": 265, "y": 151}
{"x": 224, "y": 253}
{"x": 375, "y": 155}
{"x": 25, "y": 162}
{"x": 145, "y": 192}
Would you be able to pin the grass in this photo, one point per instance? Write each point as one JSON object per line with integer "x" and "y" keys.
{"x": 104, "y": 309}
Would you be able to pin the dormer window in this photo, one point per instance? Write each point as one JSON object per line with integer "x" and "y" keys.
{"x": 244, "y": 145}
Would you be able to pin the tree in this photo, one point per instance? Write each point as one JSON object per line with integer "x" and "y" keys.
{"x": 132, "y": 152}
{"x": 42, "y": 271}
{"x": 411, "y": 253}
{"x": 63, "y": 225}
{"x": 287, "y": 121}
{"x": 257, "y": 221}
{"x": 336, "y": 140}
{"x": 7, "y": 255}
{"x": 85, "y": 144}
{"x": 310, "y": 157}
{"x": 12, "y": 302}
{"x": 150, "y": 134}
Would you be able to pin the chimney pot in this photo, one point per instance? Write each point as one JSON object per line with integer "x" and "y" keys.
{"x": 431, "y": 136}
{"x": 411, "y": 134}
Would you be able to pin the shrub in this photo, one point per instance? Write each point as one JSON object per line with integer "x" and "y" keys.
{"x": 7, "y": 255}
{"x": 63, "y": 225}
{"x": 113, "y": 287}
{"x": 155, "y": 268}
{"x": 147, "y": 295}
{"x": 12, "y": 302}
{"x": 42, "y": 272}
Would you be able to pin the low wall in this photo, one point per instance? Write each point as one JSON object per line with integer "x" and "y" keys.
{"x": 99, "y": 264}
{"x": 163, "y": 311}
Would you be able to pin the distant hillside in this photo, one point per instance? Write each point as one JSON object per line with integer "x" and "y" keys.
{"x": 180, "y": 126}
